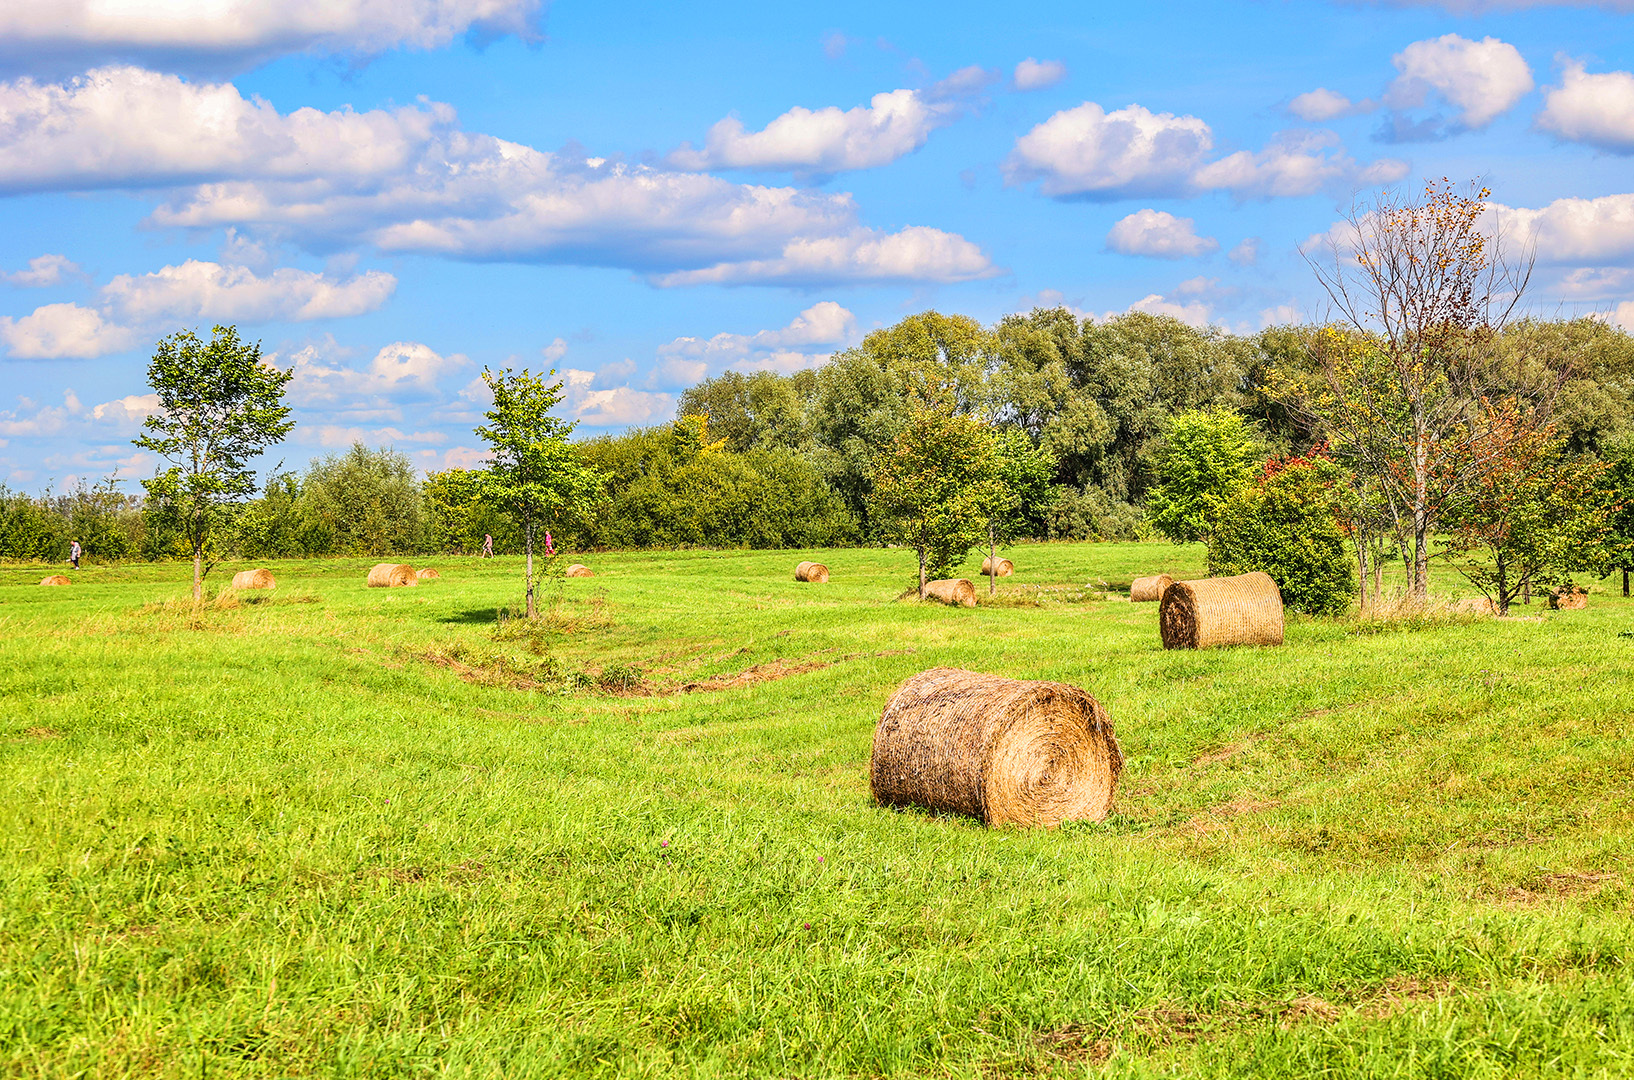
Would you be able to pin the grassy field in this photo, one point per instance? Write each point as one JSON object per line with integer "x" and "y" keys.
{"x": 364, "y": 833}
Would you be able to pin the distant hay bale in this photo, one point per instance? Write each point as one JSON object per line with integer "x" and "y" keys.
{"x": 57, "y": 579}
{"x": 1147, "y": 590}
{"x": 956, "y": 591}
{"x": 392, "y": 575}
{"x": 997, "y": 567}
{"x": 259, "y": 578}
{"x": 1003, "y": 750}
{"x": 580, "y": 570}
{"x": 1242, "y": 610}
{"x": 1564, "y": 599}
{"x": 428, "y": 574}
{"x": 814, "y": 572}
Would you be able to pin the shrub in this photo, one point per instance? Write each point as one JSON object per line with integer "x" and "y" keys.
{"x": 1288, "y": 525}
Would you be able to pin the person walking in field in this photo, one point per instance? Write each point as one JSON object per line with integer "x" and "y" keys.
{"x": 487, "y": 546}
{"x": 74, "y": 554}
{"x": 550, "y": 548}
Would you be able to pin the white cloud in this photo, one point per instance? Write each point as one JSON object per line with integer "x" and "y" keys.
{"x": 619, "y": 406}
{"x": 1033, "y": 74}
{"x": 1132, "y": 152}
{"x": 1573, "y": 230}
{"x": 402, "y": 370}
{"x": 128, "y": 412}
{"x": 1193, "y": 313}
{"x": 43, "y": 271}
{"x": 686, "y": 360}
{"x": 554, "y": 351}
{"x": 33, "y": 421}
{"x": 1159, "y": 234}
{"x": 62, "y": 331}
{"x": 1481, "y": 79}
{"x": 1623, "y": 315}
{"x": 412, "y": 181}
{"x": 1593, "y": 109}
{"x": 1322, "y": 104}
{"x": 825, "y": 140}
{"x": 243, "y": 30}
{"x": 343, "y": 435}
{"x": 915, "y": 253}
{"x": 212, "y": 292}
{"x": 1281, "y": 315}
{"x": 1246, "y": 253}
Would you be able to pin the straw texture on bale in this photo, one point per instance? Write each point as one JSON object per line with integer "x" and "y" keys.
{"x": 428, "y": 574}
{"x": 956, "y": 591}
{"x": 1475, "y": 605}
{"x": 56, "y": 579}
{"x": 1149, "y": 590}
{"x": 997, "y": 567}
{"x": 1002, "y": 750}
{"x": 1564, "y": 599}
{"x": 814, "y": 572}
{"x": 580, "y": 570}
{"x": 391, "y": 575}
{"x": 259, "y": 578}
{"x": 1241, "y": 610}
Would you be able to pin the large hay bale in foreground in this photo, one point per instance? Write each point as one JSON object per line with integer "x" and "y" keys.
{"x": 956, "y": 591}
{"x": 1564, "y": 599}
{"x": 580, "y": 570}
{"x": 392, "y": 575}
{"x": 992, "y": 567}
{"x": 1148, "y": 590}
{"x": 814, "y": 572}
{"x": 1241, "y": 610}
{"x": 1002, "y": 750}
{"x": 57, "y": 579}
{"x": 426, "y": 574}
{"x": 259, "y": 578}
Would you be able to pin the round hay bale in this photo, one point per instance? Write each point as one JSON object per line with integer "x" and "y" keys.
{"x": 814, "y": 572}
{"x": 259, "y": 578}
{"x": 580, "y": 570}
{"x": 1568, "y": 599}
{"x": 997, "y": 567}
{"x": 956, "y": 591}
{"x": 392, "y": 575}
{"x": 428, "y": 574}
{"x": 1241, "y": 610}
{"x": 57, "y": 579}
{"x": 1147, "y": 590}
{"x": 1006, "y": 751}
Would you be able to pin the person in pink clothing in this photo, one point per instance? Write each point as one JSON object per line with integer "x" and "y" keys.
{"x": 487, "y": 546}
{"x": 550, "y": 548}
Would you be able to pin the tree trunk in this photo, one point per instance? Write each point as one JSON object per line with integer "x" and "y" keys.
{"x": 1361, "y": 572}
{"x": 1503, "y": 589}
{"x": 1526, "y": 590}
{"x": 527, "y": 532}
{"x": 1625, "y": 582}
{"x": 921, "y": 573}
{"x": 992, "y": 563}
{"x": 198, "y": 574}
{"x": 1421, "y": 508}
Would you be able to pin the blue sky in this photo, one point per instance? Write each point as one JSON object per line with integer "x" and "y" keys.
{"x": 392, "y": 196}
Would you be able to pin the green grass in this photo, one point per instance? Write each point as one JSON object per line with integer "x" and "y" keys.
{"x": 366, "y": 833}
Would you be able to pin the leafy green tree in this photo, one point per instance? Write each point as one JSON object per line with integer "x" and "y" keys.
{"x": 219, "y": 408}
{"x": 1290, "y": 526}
{"x": 1617, "y": 490}
{"x": 932, "y": 485}
{"x": 30, "y": 528}
{"x": 1022, "y": 493}
{"x": 1206, "y": 462}
{"x": 458, "y": 514}
{"x": 534, "y": 473}
{"x": 273, "y": 527}
{"x": 762, "y": 410}
{"x": 363, "y": 502}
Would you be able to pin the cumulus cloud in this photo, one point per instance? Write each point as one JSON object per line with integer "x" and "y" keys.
{"x": 31, "y": 420}
{"x": 403, "y": 370}
{"x": 1482, "y": 80}
{"x": 410, "y": 180}
{"x": 1033, "y": 74}
{"x": 212, "y": 292}
{"x": 1593, "y": 109}
{"x": 1573, "y": 230}
{"x": 916, "y": 253}
{"x": 1623, "y": 315}
{"x": 43, "y": 271}
{"x": 617, "y": 406}
{"x": 1160, "y": 235}
{"x": 1322, "y": 104}
{"x": 1246, "y": 253}
{"x": 62, "y": 331}
{"x": 685, "y": 360}
{"x": 336, "y": 435}
{"x": 128, "y": 412}
{"x": 232, "y": 32}
{"x": 823, "y": 141}
{"x": 1086, "y": 152}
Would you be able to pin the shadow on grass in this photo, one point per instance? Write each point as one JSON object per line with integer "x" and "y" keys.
{"x": 473, "y": 617}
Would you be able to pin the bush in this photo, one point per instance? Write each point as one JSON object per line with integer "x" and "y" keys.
{"x": 1288, "y": 525}
{"x": 1091, "y": 514}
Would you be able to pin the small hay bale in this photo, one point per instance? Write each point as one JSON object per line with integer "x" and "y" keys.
{"x": 57, "y": 579}
{"x": 1149, "y": 590}
{"x": 997, "y": 567}
{"x": 1241, "y": 610}
{"x": 1564, "y": 599}
{"x": 392, "y": 575}
{"x": 427, "y": 574}
{"x": 814, "y": 572}
{"x": 1006, "y": 751}
{"x": 580, "y": 570}
{"x": 956, "y": 591}
{"x": 259, "y": 578}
